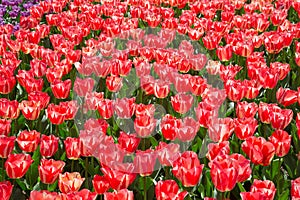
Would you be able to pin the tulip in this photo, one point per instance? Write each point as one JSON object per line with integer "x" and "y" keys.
{"x": 123, "y": 194}
{"x": 72, "y": 146}
{"x": 71, "y": 107}
{"x": 7, "y": 145}
{"x": 100, "y": 184}
{"x": 5, "y": 190}
{"x": 82, "y": 194}
{"x": 224, "y": 174}
{"x": 167, "y": 153}
{"x": 30, "y": 109}
{"x": 9, "y": 109}
{"x": 246, "y": 110}
{"x": 83, "y": 86}
{"x": 48, "y": 145}
{"x": 286, "y": 97}
{"x": 114, "y": 83}
{"x": 187, "y": 169}
{"x": 49, "y": 170}
{"x": 169, "y": 127}
{"x": 5, "y": 126}
{"x": 56, "y": 113}
{"x": 28, "y": 141}
{"x": 224, "y": 53}
{"x": 42, "y": 97}
{"x": 70, "y": 182}
{"x": 295, "y": 189}
{"x": 245, "y": 127}
{"x": 105, "y": 108}
{"x": 265, "y": 188}
{"x": 217, "y": 149}
{"x": 61, "y": 89}
{"x": 252, "y": 196}
{"x": 17, "y": 165}
{"x": 124, "y": 107}
{"x": 281, "y": 141}
{"x": 244, "y": 169}
{"x": 128, "y": 142}
{"x": 188, "y": 129}
{"x": 221, "y": 129}
{"x": 182, "y": 103}
{"x": 168, "y": 190}
{"x": 161, "y": 89}
{"x": 258, "y": 150}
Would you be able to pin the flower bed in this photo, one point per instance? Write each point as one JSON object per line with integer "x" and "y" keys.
{"x": 150, "y": 100}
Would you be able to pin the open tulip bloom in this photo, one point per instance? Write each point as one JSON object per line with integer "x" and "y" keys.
{"x": 154, "y": 99}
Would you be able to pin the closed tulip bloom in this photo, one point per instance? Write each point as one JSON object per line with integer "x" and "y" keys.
{"x": 6, "y": 190}
{"x": 252, "y": 196}
{"x": 182, "y": 102}
{"x": 187, "y": 169}
{"x": 30, "y": 109}
{"x": 295, "y": 189}
{"x": 217, "y": 149}
{"x": 72, "y": 146}
{"x": 56, "y": 113}
{"x": 5, "y": 125}
{"x": 246, "y": 110}
{"x": 17, "y": 165}
{"x": 114, "y": 83}
{"x": 167, "y": 153}
{"x": 48, "y": 145}
{"x": 188, "y": 129}
{"x": 169, "y": 127}
{"x": 221, "y": 129}
{"x": 49, "y": 170}
{"x": 244, "y": 168}
{"x": 42, "y": 97}
{"x": 169, "y": 190}
{"x": 7, "y": 145}
{"x": 28, "y": 141}
{"x": 286, "y": 97}
{"x": 100, "y": 184}
{"x": 9, "y": 109}
{"x": 123, "y": 194}
{"x": 70, "y": 182}
{"x": 161, "y": 89}
{"x": 44, "y": 195}
{"x": 266, "y": 188}
{"x": 224, "y": 53}
{"x": 105, "y": 108}
{"x": 258, "y": 150}
{"x": 82, "y": 194}
{"x": 245, "y": 127}
{"x": 144, "y": 126}
{"x": 281, "y": 141}
{"x": 83, "y": 86}
{"x": 124, "y": 107}
{"x": 224, "y": 174}
{"x": 128, "y": 142}
{"x": 61, "y": 89}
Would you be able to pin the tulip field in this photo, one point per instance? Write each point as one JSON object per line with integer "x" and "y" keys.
{"x": 150, "y": 99}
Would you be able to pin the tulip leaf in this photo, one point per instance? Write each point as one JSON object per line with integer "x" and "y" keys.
{"x": 145, "y": 183}
{"x": 52, "y": 187}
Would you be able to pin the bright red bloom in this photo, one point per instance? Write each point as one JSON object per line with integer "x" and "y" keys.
{"x": 161, "y": 89}
{"x": 295, "y": 189}
{"x": 252, "y": 196}
{"x": 44, "y": 194}
{"x": 7, "y": 145}
{"x": 9, "y": 109}
{"x": 182, "y": 102}
{"x": 168, "y": 190}
{"x": 217, "y": 149}
{"x": 7, "y": 82}
{"x": 245, "y": 127}
{"x": 128, "y": 142}
{"x": 30, "y": 109}
{"x": 258, "y": 150}
{"x": 224, "y": 53}
{"x": 197, "y": 85}
{"x": 70, "y": 182}
{"x": 224, "y": 173}
{"x": 72, "y": 146}
{"x": 71, "y": 107}
{"x": 5, "y": 190}
{"x": 265, "y": 110}
{"x": 169, "y": 127}
{"x": 188, "y": 129}
{"x": 286, "y": 96}
{"x": 281, "y": 141}
{"x": 82, "y": 194}
{"x": 167, "y": 153}
{"x": 49, "y": 170}
{"x": 122, "y": 194}
{"x": 48, "y": 145}
{"x": 100, "y": 184}
{"x": 42, "y": 97}
{"x": 118, "y": 179}
{"x": 266, "y": 188}
{"x": 28, "y": 141}
{"x": 144, "y": 126}
{"x": 244, "y": 168}
{"x": 17, "y": 165}
{"x": 56, "y": 113}
{"x": 187, "y": 169}
{"x": 5, "y": 126}
{"x": 124, "y": 107}
{"x": 281, "y": 118}
{"x": 114, "y": 83}
{"x": 105, "y": 108}
{"x": 61, "y": 89}
{"x": 144, "y": 162}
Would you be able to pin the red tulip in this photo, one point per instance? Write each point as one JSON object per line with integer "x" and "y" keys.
{"x": 118, "y": 179}
{"x": 42, "y": 97}
{"x": 274, "y": 42}
{"x": 169, "y": 127}
{"x": 258, "y": 150}
{"x": 295, "y": 189}
{"x": 5, "y": 127}
{"x": 9, "y": 109}
{"x": 235, "y": 90}
{"x": 278, "y": 16}
{"x": 70, "y": 182}
{"x": 265, "y": 110}
{"x": 217, "y": 149}
{"x": 161, "y": 89}
{"x": 244, "y": 168}
{"x": 114, "y": 83}
{"x": 224, "y": 174}
{"x": 224, "y": 53}
{"x": 7, "y": 82}
{"x": 61, "y": 89}
{"x": 7, "y": 145}
{"x": 281, "y": 118}
{"x": 38, "y": 67}
{"x": 252, "y": 196}
{"x": 124, "y": 107}
{"x": 245, "y": 127}
{"x": 265, "y": 188}
{"x": 144, "y": 126}
{"x": 246, "y": 110}
{"x": 182, "y": 83}
{"x": 144, "y": 162}
{"x": 105, "y": 108}
{"x": 123, "y": 194}
{"x": 5, "y": 190}
{"x": 211, "y": 41}
{"x": 44, "y": 195}
{"x": 197, "y": 84}
{"x": 128, "y": 142}
{"x": 281, "y": 141}
{"x": 56, "y": 113}
{"x": 286, "y": 97}
{"x": 100, "y": 184}
{"x": 281, "y": 68}
{"x": 30, "y": 109}
{"x": 71, "y": 107}
{"x": 187, "y": 169}
{"x": 83, "y": 86}
{"x": 182, "y": 103}
{"x": 72, "y": 146}
{"x": 49, "y": 145}
{"x": 17, "y": 165}
{"x": 188, "y": 129}
{"x": 28, "y": 141}
{"x": 221, "y": 129}
{"x": 167, "y": 153}
{"x": 168, "y": 190}
{"x": 49, "y": 170}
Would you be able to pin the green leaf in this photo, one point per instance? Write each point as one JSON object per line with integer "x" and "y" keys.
{"x": 144, "y": 181}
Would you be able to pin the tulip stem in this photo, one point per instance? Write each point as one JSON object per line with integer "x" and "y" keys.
{"x": 86, "y": 173}
{"x": 145, "y": 188}
{"x": 3, "y": 171}
{"x": 72, "y": 166}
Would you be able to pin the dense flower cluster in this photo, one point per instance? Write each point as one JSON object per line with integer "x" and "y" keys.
{"x": 162, "y": 99}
